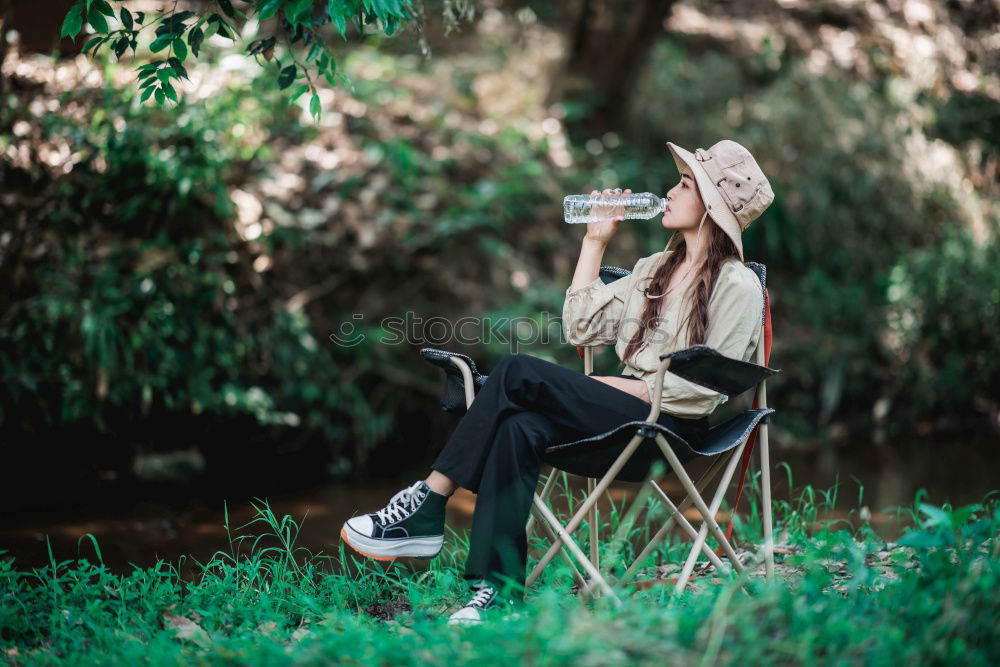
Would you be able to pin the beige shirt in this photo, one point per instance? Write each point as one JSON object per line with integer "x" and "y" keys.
{"x": 599, "y": 314}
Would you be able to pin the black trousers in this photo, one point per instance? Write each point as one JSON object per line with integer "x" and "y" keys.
{"x": 527, "y": 404}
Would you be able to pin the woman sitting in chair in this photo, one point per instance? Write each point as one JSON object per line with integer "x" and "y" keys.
{"x": 697, "y": 292}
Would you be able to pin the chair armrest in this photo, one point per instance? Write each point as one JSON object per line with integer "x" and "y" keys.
{"x": 462, "y": 380}
{"x": 654, "y": 411}
{"x": 704, "y": 366}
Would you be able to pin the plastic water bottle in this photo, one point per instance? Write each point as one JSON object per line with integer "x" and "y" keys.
{"x": 593, "y": 208}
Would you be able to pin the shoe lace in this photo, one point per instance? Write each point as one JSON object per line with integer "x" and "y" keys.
{"x": 401, "y": 505}
{"x": 482, "y": 598}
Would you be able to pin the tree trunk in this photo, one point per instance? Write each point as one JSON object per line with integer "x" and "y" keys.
{"x": 608, "y": 44}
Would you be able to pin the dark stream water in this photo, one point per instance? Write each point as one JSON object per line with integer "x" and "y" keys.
{"x": 184, "y": 520}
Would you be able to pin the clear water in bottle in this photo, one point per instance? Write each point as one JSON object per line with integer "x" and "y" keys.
{"x": 593, "y": 208}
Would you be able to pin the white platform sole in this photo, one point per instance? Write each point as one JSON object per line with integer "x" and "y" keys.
{"x": 405, "y": 547}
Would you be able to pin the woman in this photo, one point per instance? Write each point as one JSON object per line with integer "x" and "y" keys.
{"x": 698, "y": 292}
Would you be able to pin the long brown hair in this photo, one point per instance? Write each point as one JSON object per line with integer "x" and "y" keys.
{"x": 720, "y": 249}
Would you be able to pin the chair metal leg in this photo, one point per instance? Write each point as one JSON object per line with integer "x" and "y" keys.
{"x": 581, "y": 512}
{"x": 707, "y": 516}
{"x": 699, "y": 542}
{"x": 678, "y": 514}
{"x": 765, "y": 483}
{"x": 686, "y": 502}
{"x": 588, "y": 368}
{"x": 580, "y": 579}
{"x": 765, "y": 472}
{"x": 544, "y": 495}
{"x": 686, "y": 526}
{"x": 564, "y": 538}
{"x": 593, "y": 518}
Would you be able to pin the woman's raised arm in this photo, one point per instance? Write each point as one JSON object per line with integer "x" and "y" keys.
{"x": 594, "y": 244}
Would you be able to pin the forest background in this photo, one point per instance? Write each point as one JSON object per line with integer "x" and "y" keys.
{"x": 173, "y": 272}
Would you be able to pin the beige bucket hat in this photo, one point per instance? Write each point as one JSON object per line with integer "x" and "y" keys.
{"x": 732, "y": 185}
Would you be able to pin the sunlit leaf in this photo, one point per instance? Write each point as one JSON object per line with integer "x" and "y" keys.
{"x": 194, "y": 39}
{"x": 92, "y": 42}
{"x": 268, "y": 9}
{"x": 286, "y": 77}
{"x": 103, "y": 7}
{"x": 170, "y": 92}
{"x": 178, "y": 68}
{"x": 97, "y": 20}
{"x": 180, "y": 49}
{"x": 161, "y": 42}
{"x": 73, "y": 21}
{"x": 298, "y": 92}
{"x": 335, "y": 8}
{"x": 295, "y": 8}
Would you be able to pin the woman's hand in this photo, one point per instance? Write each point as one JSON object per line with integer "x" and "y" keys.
{"x": 603, "y": 230}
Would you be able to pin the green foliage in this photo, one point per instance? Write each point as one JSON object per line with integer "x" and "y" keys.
{"x": 844, "y": 596}
{"x": 304, "y": 29}
{"x": 141, "y": 303}
{"x": 970, "y": 119}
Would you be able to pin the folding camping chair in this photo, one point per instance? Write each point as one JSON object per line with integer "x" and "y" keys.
{"x": 646, "y": 442}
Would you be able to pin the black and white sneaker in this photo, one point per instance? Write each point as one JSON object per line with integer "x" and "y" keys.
{"x": 486, "y": 598}
{"x": 411, "y": 526}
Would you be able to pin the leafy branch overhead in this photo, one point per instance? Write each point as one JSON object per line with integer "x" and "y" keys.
{"x": 302, "y": 28}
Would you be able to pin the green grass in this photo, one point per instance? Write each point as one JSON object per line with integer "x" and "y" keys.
{"x": 843, "y": 596}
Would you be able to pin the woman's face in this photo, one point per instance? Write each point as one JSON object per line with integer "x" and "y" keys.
{"x": 684, "y": 206}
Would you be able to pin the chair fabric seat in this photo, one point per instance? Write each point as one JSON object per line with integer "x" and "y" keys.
{"x": 593, "y": 455}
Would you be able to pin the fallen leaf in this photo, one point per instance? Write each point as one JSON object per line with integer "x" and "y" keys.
{"x": 185, "y": 628}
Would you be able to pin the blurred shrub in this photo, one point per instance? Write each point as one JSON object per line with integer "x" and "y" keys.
{"x": 859, "y": 189}
{"x": 145, "y": 303}
{"x": 945, "y": 303}
{"x": 132, "y": 295}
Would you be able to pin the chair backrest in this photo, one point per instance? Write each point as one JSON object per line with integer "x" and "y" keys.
{"x": 761, "y": 272}
{"x": 609, "y": 274}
